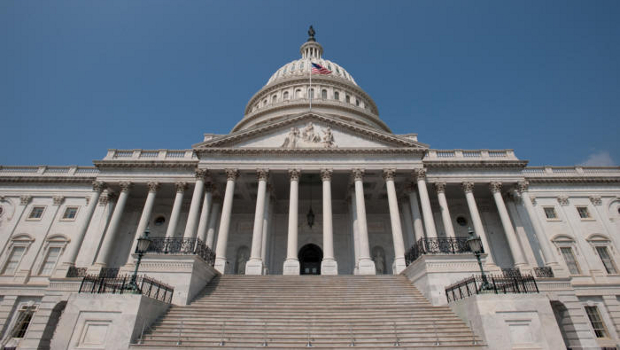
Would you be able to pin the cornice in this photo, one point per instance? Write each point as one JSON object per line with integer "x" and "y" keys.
{"x": 145, "y": 164}
{"x": 604, "y": 179}
{"x": 47, "y": 179}
{"x": 252, "y": 150}
{"x": 437, "y": 164}
{"x": 372, "y": 134}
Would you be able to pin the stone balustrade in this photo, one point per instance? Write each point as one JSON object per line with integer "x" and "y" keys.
{"x": 574, "y": 171}
{"x": 43, "y": 170}
{"x": 141, "y": 154}
{"x": 470, "y": 155}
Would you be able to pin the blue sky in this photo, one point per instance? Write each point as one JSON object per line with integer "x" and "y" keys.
{"x": 79, "y": 77}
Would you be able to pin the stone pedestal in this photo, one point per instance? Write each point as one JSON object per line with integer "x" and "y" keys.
{"x": 291, "y": 267}
{"x": 366, "y": 267}
{"x": 254, "y": 267}
{"x": 399, "y": 265}
{"x": 220, "y": 265}
{"x": 329, "y": 267}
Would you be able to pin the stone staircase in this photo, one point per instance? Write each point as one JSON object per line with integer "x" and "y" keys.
{"x": 287, "y": 312}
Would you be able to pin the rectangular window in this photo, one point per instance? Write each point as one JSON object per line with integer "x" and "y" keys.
{"x": 70, "y": 213}
{"x": 23, "y": 321}
{"x": 596, "y": 321}
{"x": 606, "y": 259}
{"x": 36, "y": 213}
{"x": 13, "y": 261}
{"x": 50, "y": 261}
{"x": 583, "y": 212}
{"x": 569, "y": 257}
{"x": 550, "y": 213}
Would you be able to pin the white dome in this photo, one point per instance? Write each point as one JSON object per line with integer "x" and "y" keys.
{"x": 302, "y": 66}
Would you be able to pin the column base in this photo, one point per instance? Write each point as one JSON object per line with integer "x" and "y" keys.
{"x": 220, "y": 265}
{"x": 399, "y": 265}
{"x": 254, "y": 267}
{"x": 291, "y": 267}
{"x": 329, "y": 267}
{"x": 366, "y": 267}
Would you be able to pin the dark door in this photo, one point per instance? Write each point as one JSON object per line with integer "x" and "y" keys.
{"x": 310, "y": 257}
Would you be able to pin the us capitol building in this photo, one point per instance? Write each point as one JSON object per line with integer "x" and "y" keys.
{"x": 309, "y": 182}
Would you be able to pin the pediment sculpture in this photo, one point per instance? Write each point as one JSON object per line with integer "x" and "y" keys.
{"x": 309, "y": 137}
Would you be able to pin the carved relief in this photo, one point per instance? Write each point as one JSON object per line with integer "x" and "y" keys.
{"x": 563, "y": 200}
{"x": 596, "y": 200}
{"x": 308, "y": 137}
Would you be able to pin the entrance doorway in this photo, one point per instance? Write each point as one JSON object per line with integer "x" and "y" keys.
{"x": 310, "y": 257}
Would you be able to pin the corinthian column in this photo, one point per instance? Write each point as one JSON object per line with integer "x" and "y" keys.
{"x": 222, "y": 238}
{"x": 176, "y": 209}
{"x": 266, "y": 223}
{"x": 522, "y": 188}
{"x": 110, "y": 236}
{"x": 418, "y": 225}
{"x": 254, "y": 266}
{"x": 194, "y": 207}
{"x": 513, "y": 242}
{"x": 468, "y": 188}
{"x": 291, "y": 264}
{"x": 204, "y": 213}
{"x": 213, "y": 220}
{"x": 329, "y": 266}
{"x": 427, "y": 211}
{"x": 397, "y": 231}
{"x": 445, "y": 212}
{"x": 145, "y": 217}
{"x": 74, "y": 247}
{"x": 365, "y": 265}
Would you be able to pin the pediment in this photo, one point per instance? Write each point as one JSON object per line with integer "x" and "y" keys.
{"x": 311, "y": 131}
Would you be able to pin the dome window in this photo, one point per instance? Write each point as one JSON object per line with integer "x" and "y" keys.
{"x": 357, "y": 102}
{"x": 274, "y": 98}
{"x": 347, "y": 99}
{"x": 264, "y": 102}
{"x": 336, "y": 95}
{"x": 301, "y": 66}
{"x": 285, "y": 95}
{"x": 337, "y": 70}
{"x": 324, "y": 94}
{"x": 298, "y": 93}
{"x": 293, "y": 67}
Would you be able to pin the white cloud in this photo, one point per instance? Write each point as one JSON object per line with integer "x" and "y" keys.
{"x": 601, "y": 158}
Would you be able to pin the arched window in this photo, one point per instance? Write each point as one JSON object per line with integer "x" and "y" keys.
{"x": 347, "y": 99}
{"x": 285, "y": 95}
{"x": 274, "y": 98}
{"x": 264, "y": 102}
{"x": 336, "y": 95}
{"x": 357, "y": 102}
{"x": 293, "y": 67}
{"x": 324, "y": 94}
{"x": 298, "y": 93}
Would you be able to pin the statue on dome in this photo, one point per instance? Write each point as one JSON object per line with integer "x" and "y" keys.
{"x": 311, "y": 33}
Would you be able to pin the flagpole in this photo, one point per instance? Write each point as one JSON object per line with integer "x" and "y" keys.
{"x": 310, "y": 91}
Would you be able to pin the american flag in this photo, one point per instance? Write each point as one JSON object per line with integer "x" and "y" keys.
{"x": 318, "y": 69}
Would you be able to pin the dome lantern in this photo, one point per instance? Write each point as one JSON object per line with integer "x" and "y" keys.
{"x": 311, "y": 49}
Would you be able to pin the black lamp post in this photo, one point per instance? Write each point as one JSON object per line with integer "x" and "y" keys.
{"x": 143, "y": 245}
{"x": 475, "y": 245}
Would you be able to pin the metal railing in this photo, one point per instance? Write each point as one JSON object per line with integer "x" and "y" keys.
{"x": 180, "y": 245}
{"x": 436, "y": 246}
{"x": 545, "y": 271}
{"x": 75, "y": 271}
{"x": 496, "y": 285}
{"x": 120, "y": 285}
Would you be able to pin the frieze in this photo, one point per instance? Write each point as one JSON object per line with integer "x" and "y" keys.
{"x": 309, "y": 137}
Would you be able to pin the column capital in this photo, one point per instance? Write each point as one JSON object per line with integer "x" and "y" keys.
{"x": 563, "y": 200}
{"x": 596, "y": 200}
{"x": 106, "y": 197}
{"x": 201, "y": 174}
{"x": 495, "y": 186}
{"x": 522, "y": 186}
{"x": 468, "y": 186}
{"x": 326, "y": 174}
{"x": 153, "y": 186}
{"x": 294, "y": 174}
{"x": 25, "y": 199}
{"x": 180, "y": 186}
{"x": 58, "y": 200}
{"x": 262, "y": 174}
{"x": 419, "y": 174}
{"x": 440, "y": 187}
{"x": 389, "y": 174}
{"x": 231, "y": 174}
{"x": 125, "y": 185}
{"x": 99, "y": 186}
{"x": 358, "y": 174}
